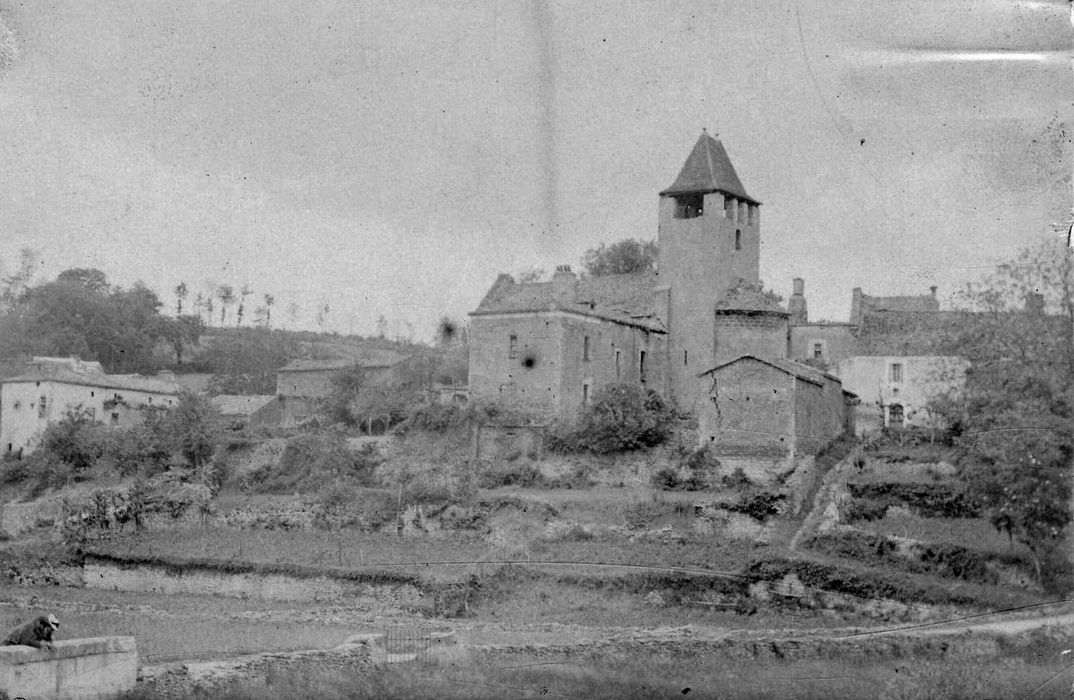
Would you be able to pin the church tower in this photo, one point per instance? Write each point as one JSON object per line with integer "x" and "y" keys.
{"x": 709, "y": 238}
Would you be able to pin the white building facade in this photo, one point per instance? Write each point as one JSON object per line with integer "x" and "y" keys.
{"x": 53, "y": 386}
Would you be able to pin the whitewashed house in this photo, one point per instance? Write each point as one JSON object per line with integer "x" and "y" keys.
{"x": 51, "y": 386}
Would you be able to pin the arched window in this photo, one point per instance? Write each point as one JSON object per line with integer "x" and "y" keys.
{"x": 738, "y": 239}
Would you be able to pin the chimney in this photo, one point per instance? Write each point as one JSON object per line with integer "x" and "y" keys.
{"x": 855, "y": 306}
{"x": 1035, "y": 304}
{"x": 796, "y": 305}
{"x": 564, "y": 283}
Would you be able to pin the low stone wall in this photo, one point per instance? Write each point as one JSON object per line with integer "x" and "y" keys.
{"x": 100, "y": 667}
{"x": 158, "y": 579}
{"x": 181, "y": 680}
{"x": 890, "y": 646}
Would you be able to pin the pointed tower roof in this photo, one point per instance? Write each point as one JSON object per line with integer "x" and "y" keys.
{"x": 708, "y": 169}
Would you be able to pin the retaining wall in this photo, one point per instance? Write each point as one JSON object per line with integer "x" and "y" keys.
{"x": 158, "y": 579}
{"x": 99, "y": 667}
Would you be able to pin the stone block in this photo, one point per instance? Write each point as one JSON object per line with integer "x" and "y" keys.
{"x": 98, "y": 667}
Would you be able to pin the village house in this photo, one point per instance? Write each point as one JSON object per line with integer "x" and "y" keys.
{"x": 248, "y": 410}
{"x": 303, "y": 385}
{"x": 52, "y": 386}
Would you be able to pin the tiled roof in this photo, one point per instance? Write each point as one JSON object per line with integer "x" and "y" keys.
{"x": 626, "y": 299}
{"x": 708, "y": 169}
{"x": 240, "y": 405}
{"x": 748, "y": 297}
{"x": 796, "y": 369}
{"x": 924, "y": 302}
{"x": 384, "y": 360}
{"x": 65, "y": 375}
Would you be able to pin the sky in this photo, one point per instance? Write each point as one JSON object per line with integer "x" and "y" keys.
{"x": 392, "y": 158}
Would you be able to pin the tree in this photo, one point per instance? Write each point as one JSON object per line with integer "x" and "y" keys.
{"x": 226, "y": 294}
{"x": 243, "y": 293}
{"x": 194, "y": 427}
{"x": 245, "y": 362}
{"x": 620, "y": 258}
{"x": 270, "y": 301}
{"x": 16, "y": 284}
{"x": 1014, "y": 416}
{"x": 180, "y": 296}
{"x": 82, "y": 314}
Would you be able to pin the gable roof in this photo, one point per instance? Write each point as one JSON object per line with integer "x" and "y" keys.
{"x": 708, "y": 169}
{"x": 240, "y": 405}
{"x": 626, "y": 299}
{"x": 796, "y": 369}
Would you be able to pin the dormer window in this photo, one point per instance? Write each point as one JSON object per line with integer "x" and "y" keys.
{"x": 689, "y": 206}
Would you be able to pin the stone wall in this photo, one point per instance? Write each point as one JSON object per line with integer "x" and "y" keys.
{"x": 98, "y": 667}
{"x": 212, "y": 677}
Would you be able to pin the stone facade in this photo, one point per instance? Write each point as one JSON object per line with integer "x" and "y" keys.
{"x": 547, "y": 348}
{"x": 551, "y": 346}
{"x": 769, "y": 407}
{"x": 302, "y": 385}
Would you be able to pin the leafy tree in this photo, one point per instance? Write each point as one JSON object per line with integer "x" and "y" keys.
{"x": 621, "y": 417}
{"x": 1015, "y": 414}
{"x": 82, "y": 314}
{"x": 619, "y": 258}
{"x": 193, "y": 426}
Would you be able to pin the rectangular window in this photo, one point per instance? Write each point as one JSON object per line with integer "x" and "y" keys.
{"x": 618, "y": 364}
{"x": 512, "y": 347}
{"x": 115, "y": 419}
{"x": 818, "y": 351}
{"x": 896, "y": 372}
{"x": 685, "y": 357}
{"x": 585, "y": 394}
{"x": 585, "y": 349}
{"x": 42, "y": 407}
{"x": 641, "y": 366}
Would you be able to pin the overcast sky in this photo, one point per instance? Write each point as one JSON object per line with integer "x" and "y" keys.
{"x": 392, "y": 158}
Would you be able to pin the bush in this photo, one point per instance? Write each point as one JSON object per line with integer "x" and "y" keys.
{"x": 640, "y": 515}
{"x": 311, "y": 462}
{"x": 927, "y": 500}
{"x": 853, "y": 510}
{"x": 622, "y": 417}
{"x": 759, "y": 506}
{"x": 516, "y": 473}
{"x": 669, "y": 479}
{"x": 736, "y": 479}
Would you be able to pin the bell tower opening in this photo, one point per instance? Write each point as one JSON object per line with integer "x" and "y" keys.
{"x": 689, "y": 205}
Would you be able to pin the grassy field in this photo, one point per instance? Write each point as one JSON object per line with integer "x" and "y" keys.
{"x": 634, "y": 678}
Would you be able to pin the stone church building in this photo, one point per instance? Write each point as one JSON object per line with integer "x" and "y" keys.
{"x": 761, "y": 379}
{"x": 549, "y": 346}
